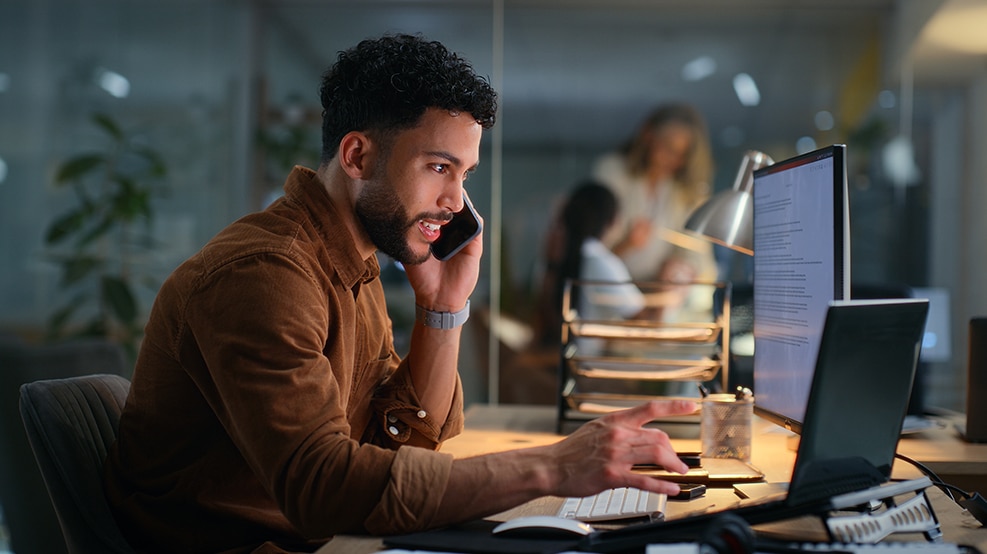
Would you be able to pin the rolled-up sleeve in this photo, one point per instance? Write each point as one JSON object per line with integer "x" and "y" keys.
{"x": 401, "y": 419}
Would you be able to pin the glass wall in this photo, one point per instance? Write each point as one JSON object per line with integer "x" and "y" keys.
{"x": 226, "y": 93}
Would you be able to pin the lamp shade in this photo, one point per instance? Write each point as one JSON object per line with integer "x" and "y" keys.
{"x": 727, "y": 218}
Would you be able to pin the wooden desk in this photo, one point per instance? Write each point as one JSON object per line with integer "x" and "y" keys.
{"x": 943, "y": 451}
{"x": 505, "y": 427}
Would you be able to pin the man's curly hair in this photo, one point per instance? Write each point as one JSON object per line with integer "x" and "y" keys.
{"x": 386, "y": 84}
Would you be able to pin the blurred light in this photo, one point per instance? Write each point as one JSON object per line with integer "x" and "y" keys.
{"x": 3, "y": 170}
{"x": 4, "y": 82}
{"x": 732, "y": 136}
{"x": 699, "y": 68}
{"x": 805, "y": 144}
{"x": 899, "y": 162}
{"x": 960, "y": 27}
{"x": 746, "y": 89}
{"x": 824, "y": 120}
{"x": 113, "y": 83}
{"x": 886, "y": 99}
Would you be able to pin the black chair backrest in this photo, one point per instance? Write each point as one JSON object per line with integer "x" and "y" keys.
{"x": 31, "y": 521}
{"x": 71, "y": 424}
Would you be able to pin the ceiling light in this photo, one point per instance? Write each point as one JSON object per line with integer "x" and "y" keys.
{"x": 699, "y": 68}
{"x": 746, "y": 89}
{"x": 824, "y": 120}
{"x": 113, "y": 83}
{"x": 898, "y": 158}
{"x": 805, "y": 144}
{"x": 886, "y": 99}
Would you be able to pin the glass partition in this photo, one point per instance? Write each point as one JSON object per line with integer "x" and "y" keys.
{"x": 227, "y": 93}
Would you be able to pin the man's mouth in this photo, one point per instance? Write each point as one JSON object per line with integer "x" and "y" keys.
{"x": 430, "y": 230}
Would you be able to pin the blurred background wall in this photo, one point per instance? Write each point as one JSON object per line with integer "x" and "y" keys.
{"x": 225, "y": 93}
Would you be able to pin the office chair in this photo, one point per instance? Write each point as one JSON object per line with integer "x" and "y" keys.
{"x": 31, "y": 521}
{"x": 71, "y": 424}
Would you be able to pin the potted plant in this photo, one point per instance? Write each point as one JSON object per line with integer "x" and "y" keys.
{"x": 96, "y": 242}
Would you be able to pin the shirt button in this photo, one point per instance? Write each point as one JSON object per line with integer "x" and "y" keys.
{"x": 392, "y": 430}
{"x": 421, "y": 414}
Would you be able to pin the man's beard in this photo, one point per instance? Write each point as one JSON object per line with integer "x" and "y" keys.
{"x": 386, "y": 221}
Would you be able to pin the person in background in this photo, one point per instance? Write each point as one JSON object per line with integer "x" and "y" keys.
{"x": 269, "y": 410}
{"x": 659, "y": 177}
{"x": 586, "y": 262}
{"x": 590, "y": 210}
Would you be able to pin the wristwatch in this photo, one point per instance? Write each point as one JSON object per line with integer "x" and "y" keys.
{"x": 442, "y": 320}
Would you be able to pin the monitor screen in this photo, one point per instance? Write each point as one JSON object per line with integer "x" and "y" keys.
{"x": 801, "y": 264}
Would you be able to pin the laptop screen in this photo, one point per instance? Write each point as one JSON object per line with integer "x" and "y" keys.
{"x": 860, "y": 392}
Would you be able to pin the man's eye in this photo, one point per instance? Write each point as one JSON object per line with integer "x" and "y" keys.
{"x": 440, "y": 168}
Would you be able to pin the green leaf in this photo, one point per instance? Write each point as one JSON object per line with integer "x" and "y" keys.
{"x": 66, "y": 225}
{"x": 156, "y": 163}
{"x": 108, "y": 125}
{"x": 101, "y": 228}
{"x": 78, "y": 166}
{"x": 131, "y": 201}
{"x": 119, "y": 298}
{"x": 78, "y": 268}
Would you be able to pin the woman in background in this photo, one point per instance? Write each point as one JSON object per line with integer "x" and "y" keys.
{"x": 576, "y": 252}
{"x": 659, "y": 177}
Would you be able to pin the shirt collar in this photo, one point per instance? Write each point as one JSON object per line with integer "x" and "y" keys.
{"x": 304, "y": 188}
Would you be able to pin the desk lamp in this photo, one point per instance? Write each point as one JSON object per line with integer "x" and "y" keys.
{"x": 727, "y": 217}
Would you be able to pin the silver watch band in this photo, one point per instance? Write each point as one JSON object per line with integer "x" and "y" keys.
{"x": 442, "y": 320}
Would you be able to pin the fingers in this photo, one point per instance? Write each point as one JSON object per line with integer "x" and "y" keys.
{"x": 645, "y": 482}
{"x": 652, "y": 445}
{"x": 644, "y": 413}
{"x": 656, "y": 448}
{"x": 602, "y": 452}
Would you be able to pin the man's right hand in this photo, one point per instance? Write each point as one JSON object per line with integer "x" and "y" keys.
{"x": 598, "y": 456}
{"x": 601, "y": 453}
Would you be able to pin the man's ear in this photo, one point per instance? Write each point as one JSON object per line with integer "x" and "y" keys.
{"x": 356, "y": 152}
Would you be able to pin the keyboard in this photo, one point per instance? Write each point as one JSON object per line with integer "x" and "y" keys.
{"x": 611, "y": 504}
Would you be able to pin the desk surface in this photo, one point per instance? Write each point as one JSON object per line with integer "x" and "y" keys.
{"x": 505, "y": 427}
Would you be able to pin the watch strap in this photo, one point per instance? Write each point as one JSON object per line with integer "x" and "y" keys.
{"x": 442, "y": 320}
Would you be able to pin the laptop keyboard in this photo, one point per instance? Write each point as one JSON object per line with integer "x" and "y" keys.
{"x": 619, "y": 503}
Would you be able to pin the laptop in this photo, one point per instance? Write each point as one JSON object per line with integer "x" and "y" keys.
{"x": 857, "y": 402}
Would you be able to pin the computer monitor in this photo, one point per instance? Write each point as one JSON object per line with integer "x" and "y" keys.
{"x": 801, "y": 264}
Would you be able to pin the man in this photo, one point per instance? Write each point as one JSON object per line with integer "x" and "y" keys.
{"x": 268, "y": 409}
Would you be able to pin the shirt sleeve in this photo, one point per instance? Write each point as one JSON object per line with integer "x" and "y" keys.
{"x": 620, "y": 300}
{"x": 401, "y": 419}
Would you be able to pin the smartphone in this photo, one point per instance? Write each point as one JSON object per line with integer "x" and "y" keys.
{"x": 456, "y": 234}
{"x": 689, "y": 491}
{"x": 691, "y": 459}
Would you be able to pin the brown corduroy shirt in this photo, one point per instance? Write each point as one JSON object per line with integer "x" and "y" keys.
{"x": 268, "y": 408}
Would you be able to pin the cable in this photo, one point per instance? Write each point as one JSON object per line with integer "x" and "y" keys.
{"x": 936, "y": 480}
{"x": 975, "y": 504}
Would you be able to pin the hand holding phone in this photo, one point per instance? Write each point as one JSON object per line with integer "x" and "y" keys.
{"x": 456, "y": 234}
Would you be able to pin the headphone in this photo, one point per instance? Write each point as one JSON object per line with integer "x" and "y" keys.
{"x": 727, "y": 534}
